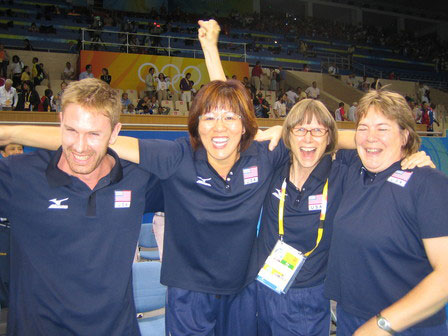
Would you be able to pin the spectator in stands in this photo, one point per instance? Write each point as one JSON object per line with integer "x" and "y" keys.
{"x": 292, "y": 98}
{"x": 306, "y": 68}
{"x": 143, "y": 106}
{"x": 26, "y": 74}
{"x": 11, "y": 149}
{"x": 302, "y": 95}
{"x": 257, "y": 71}
{"x": 313, "y": 91}
{"x": 248, "y": 85}
{"x": 8, "y": 96}
{"x": 352, "y": 112}
{"x": 68, "y": 73}
{"x": 37, "y": 73}
{"x": 261, "y": 106}
{"x": 281, "y": 79}
{"x": 4, "y": 61}
{"x": 423, "y": 93}
{"x": 428, "y": 117}
{"x": 33, "y": 28}
{"x": 58, "y": 98}
{"x": 279, "y": 110}
{"x": 185, "y": 87}
{"x": 376, "y": 84}
{"x": 105, "y": 77}
{"x": 339, "y": 114}
{"x": 332, "y": 70}
{"x": 416, "y": 111}
{"x": 28, "y": 98}
{"x": 35, "y": 68}
{"x": 130, "y": 109}
{"x": 46, "y": 102}
{"x": 27, "y": 45}
{"x": 351, "y": 80}
{"x": 364, "y": 85}
{"x": 86, "y": 74}
{"x": 162, "y": 87}
{"x": 150, "y": 83}
{"x": 125, "y": 101}
{"x": 16, "y": 71}
{"x": 273, "y": 80}
{"x": 350, "y": 52}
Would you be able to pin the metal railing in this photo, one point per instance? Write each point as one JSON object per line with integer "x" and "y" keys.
{"x": 142, "y": 43}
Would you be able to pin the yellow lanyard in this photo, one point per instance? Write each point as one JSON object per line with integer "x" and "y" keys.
{"x": 323, "y": 212}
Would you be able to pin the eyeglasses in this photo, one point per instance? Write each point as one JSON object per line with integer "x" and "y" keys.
{"x": 315, "y": 132}
{"x": 226, "y": 117}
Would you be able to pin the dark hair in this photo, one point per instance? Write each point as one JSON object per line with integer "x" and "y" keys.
{"x": 231, "y": 95}
{"x": 48, "y": 92}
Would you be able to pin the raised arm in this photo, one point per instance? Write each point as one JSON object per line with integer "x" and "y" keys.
{"x": 48, "y": 137}
{"x": 208, "y": 34}
{"x": 127, "y": 148}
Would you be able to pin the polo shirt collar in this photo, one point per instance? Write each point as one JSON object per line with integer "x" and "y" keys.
{"x": 370, "y": 177}
{"x": 57, "y": 178}
{"x": 200, "y": 154}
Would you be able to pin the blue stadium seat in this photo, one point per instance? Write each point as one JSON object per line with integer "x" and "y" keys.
{"x": 148, "y": 240}
{"x": 149, "y": 295}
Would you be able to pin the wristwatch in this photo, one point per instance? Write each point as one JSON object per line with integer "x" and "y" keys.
{"x": 384, "y": 324}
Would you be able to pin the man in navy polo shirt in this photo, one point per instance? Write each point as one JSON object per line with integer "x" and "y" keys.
{"x": 5, "y": 151}
{"x": 76, "y": 216}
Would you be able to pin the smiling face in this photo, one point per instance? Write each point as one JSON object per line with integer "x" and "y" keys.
{"x": 220, "y": 138}
{"x": 379, "y": 141}
{"x": 86, "y": 134}
{"x": 307, "y": 150}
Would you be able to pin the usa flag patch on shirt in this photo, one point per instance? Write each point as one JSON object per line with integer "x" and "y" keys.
{"x": 315, "y": 202}
{"x": 250, "y": 175}
{"x": 123, "y": 198}
{"x": 400, "y": 177}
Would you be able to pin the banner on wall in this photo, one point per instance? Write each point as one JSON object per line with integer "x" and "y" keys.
{"x": 129, "y": 71}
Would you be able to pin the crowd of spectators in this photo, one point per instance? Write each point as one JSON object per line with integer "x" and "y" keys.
{"x": 293, "y": 28}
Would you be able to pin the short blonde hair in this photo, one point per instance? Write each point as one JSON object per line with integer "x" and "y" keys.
{"x": 302, "y": 113}
{"x": 395, "y": 108}
{"x": 96, "y": 95}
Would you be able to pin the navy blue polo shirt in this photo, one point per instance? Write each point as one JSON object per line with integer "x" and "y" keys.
{"x": 72, "y": 248}
{"x": 301, "y": 221}
{"x": 377, "y": 254}
{"x": 210, "y": 223}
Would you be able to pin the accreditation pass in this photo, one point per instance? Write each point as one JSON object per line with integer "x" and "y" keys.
{"x": 281, "y": 267}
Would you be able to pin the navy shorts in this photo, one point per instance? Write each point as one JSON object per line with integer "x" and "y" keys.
{"x": 301, "y": 312}
{"x": 190, "y": 313}
{"x": 348, "y": 323}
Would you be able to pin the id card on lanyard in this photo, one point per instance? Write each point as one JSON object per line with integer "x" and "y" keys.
{"x": 284, "y": 263}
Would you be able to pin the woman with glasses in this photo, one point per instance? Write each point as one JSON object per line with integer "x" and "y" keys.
{"x": 290, "y": 256}
{"x": 297, "y": 221}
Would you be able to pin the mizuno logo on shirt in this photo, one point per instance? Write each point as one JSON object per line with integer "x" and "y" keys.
{"x": 203, "y": 181}
{"x": 57, "y": 203}
{"x": 278, "y": 193}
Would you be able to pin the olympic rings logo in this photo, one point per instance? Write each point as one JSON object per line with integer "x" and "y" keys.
{"x": 174, "y": 80}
